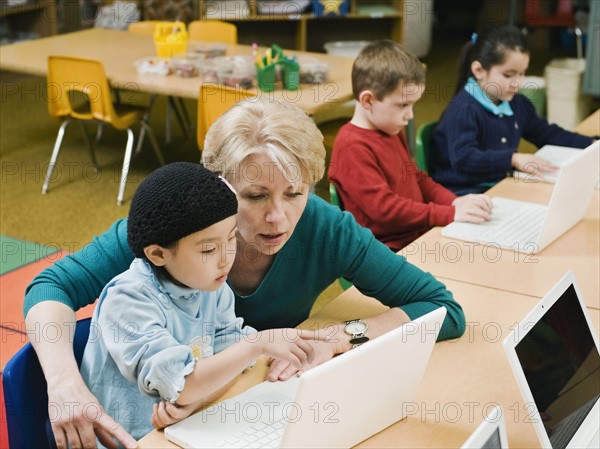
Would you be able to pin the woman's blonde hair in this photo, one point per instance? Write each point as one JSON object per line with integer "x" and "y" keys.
{"x": 280, "y": 130}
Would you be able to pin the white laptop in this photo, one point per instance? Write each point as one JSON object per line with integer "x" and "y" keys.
{"x": 490, "y": 434}
{"x": 554, "y": 355}
{"x": 530, "y": 227}
{"x": 556, "y": 154}
{"x": 337, "y": 404}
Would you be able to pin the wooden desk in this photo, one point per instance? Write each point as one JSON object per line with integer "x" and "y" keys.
{"x": 578, "y": 250}
{"x": 464, "y": 378}
{"x": 590, "y": 126}
{"x": 118, "y": 50}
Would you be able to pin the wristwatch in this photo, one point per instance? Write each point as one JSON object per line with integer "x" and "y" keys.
{"x": 356, "y": 329}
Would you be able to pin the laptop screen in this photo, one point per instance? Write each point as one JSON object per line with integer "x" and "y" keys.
{"x": 561, "y": 365}
{"x": 494, "y": 441}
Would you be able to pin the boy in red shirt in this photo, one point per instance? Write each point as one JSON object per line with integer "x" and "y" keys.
{"x": 371, "y": 166}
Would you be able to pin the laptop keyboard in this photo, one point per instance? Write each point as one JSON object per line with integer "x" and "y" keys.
{"x": 520, "y": 229}
{"x": 259, "y": 435}
{"x": 563, "y": 432}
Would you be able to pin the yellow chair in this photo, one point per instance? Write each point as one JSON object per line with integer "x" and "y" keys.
{"x": 212, "y": 30}
{"x": 213, "y": 101}
{"x": 145, "y": 27}
{"x": 67, "y": 75}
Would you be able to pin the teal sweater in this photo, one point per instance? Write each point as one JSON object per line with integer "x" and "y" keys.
{"x": 326, "y": 244}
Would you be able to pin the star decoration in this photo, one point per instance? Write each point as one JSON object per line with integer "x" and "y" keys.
{"x": 331, "y": 6}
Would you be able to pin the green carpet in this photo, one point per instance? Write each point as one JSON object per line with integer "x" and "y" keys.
{"x": 16, "y": 253}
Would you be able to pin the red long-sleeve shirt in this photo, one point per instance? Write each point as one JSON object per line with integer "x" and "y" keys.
{"x": 382, "y": 187}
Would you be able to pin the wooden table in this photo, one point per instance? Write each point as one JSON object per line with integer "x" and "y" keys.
{"x": 489, "y": 266}
{"x": 118, "y": 50}
{"x": 464, "y": 378}
{"x": 591, "y": 125}
{"x": 533, "y": 275}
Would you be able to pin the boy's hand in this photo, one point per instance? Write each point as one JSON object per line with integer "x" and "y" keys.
{"x": 473, "y": 208}
{"x": 529, "y": 163}
{"x": 286, "y": 345}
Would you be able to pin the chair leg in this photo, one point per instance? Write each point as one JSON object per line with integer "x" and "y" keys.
{"x": 169, "y": 122}
{"x": 154, "y": 142}
{"x": 88, "y": 142}
{"x": 138, "y": 147}
{"x": 178, "y": 115}
{"x": 126, "y": 163}
{"x": 99, "y": 132}
{"x": 55, "y": 151}
{"x": 184, "y": 112}
{"x": 142, "y": 135}
{"x": 578, "y": 35}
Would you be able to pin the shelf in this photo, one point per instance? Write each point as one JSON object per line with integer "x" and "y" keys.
{"x": 8, "y": 10}
{"x": 292, "y": 18}
{"x": 309, "y": 32}
{"x": 38, "y": 18}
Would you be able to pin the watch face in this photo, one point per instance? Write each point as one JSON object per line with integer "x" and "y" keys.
{"x": 357, "y": 327}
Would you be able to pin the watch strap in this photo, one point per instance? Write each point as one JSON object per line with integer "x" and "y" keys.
{"x": 357, "y": 341}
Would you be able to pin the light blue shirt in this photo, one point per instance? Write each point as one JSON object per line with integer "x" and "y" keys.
{"x": 473, "y": 88}
{"x": 146, "y": 335}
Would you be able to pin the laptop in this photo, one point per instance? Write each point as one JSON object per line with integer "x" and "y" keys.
{"x": 554, "y": 355}
{"x": 556, "y": 154}
{"x": 337, "y": 404}
{"x": 529, "y": 227}
{"x": 490, "y": 434}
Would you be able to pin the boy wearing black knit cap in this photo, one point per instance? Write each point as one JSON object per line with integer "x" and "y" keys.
{"x": 165, "y": 338}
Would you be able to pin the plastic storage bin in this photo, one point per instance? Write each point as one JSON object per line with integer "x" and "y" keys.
{"x": 348, "y": 49}
{"x": 313, "y": 71}
{"x": 567, "y": 105}
{"x": 170, "y": 39}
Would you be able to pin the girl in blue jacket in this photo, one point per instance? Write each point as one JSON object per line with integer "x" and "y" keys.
{"x": 476, "y": 140}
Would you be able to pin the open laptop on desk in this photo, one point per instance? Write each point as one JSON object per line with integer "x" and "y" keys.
{"x": 554, "y": 355}
{"x": 490, "y": 434}
{"x": 529, "y": 227}
{"x": 337, "y": 404}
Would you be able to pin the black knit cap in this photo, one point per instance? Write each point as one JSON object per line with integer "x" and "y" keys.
{"x": 175, "y": 201}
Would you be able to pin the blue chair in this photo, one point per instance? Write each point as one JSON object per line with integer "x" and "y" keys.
{"x": 335, "y": 200}
{"x": 25, "y": 394}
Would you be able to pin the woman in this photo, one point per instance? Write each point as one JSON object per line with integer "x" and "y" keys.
{"x": 291, "y": 246}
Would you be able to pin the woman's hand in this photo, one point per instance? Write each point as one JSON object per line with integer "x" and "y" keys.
{"x": 325, "y": 345}
{"x": 286, "y": 345}
{"x": 531, "y": 164}
{"x": 77, "y": 418}
{"x": 473, "y": 208}
{"x": 282, "y": 370}
{"x": 164, "y": 413}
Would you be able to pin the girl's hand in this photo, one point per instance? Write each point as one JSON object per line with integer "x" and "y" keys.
{"x": 473, "y": 208}
{"x": 281, "y": 370}
{"x": 529, "y": 163}
{"x": 164, "y": 413}
{"x": 286, "y": 345}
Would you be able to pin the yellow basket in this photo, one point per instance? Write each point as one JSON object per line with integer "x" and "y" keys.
{"x": 170, "y": 39}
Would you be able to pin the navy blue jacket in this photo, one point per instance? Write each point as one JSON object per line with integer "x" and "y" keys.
{"x": 472, "y": 148}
